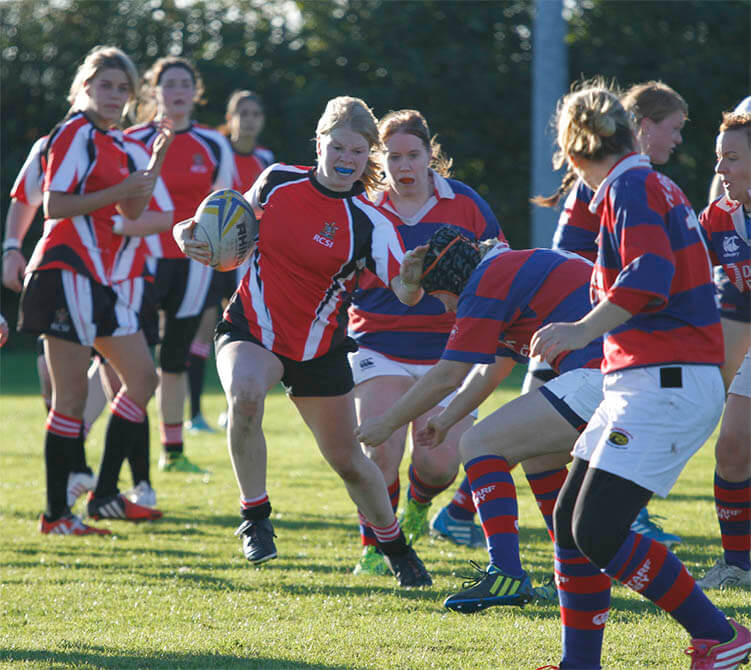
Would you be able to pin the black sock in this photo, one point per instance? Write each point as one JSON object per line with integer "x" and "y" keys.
{"x": 173, "y": 450}
{"x": 258, "y": 513}
{"x": 76, "y": 455}
{"x": 138, "y": 455}
{"x": 397, "y": 547}
{"x": 196, "y": 373}
{"x": 121, "y": 435}
{"x": 56, "y": 449}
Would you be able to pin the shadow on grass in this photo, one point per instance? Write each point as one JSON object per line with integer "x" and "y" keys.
{"x": 99, "y": 658}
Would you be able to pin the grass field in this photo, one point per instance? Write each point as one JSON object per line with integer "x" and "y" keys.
{"x": 178, "y": 593}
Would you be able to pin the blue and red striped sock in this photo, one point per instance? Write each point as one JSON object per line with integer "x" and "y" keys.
{"x": 421, "y": 492}
{"x": 367, "y": 536}
{"x": 462, "y": 507}
{"x": 545, "y": 487}
{"x": 649, "y": 568}
{"x": 733, "y": 505}
{"x": 584, "y": 595}
{"x": 494, "y": 494}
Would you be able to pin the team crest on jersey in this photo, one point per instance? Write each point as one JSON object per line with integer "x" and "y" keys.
{"x": 731, "y": 245}
{"x": 61, "y": 322}
{"x": 326, "y": 236}
{"x": 618, "y": 438}
{"x": 198, "y": 164}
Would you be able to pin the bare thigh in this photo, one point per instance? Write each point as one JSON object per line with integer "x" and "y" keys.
{"x": 372, "y": 399}
{"x": 67, "y": 363}
{"x": 525, "y": 428}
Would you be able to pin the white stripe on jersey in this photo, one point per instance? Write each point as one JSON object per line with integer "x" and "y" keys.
{"x": 84, "y": 228}
{"x": 75, "y": 164}
{"x": 196, "y": 289}
{"x": 31, "y": 175}
{"x": 253, "y": 195}
{"x": 385, "y": 240}
{"x": 257, "y": 300}
{"x": 225, "y": 162}
{"x": 77, "y": 290}
{"x": 331, "y": 297}
{"x": 130, "y": 298}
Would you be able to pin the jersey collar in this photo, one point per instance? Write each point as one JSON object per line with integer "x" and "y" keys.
{"x": 628, "y": 162}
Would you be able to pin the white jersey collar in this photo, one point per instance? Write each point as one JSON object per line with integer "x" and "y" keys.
{"x": 628, "y": 162}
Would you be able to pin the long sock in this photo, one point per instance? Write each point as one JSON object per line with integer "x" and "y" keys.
{"x": 649, "y": 568}
{"x": 255, "y": 509}
{"x": 77, "y": 454}
{"x": 125, "y": 428}
{"x": 172, "y": 438}
{"x": 421, "y": 492}
{"x": 139, "y": 457}
{"x": 494, "y": 494}
{"x": 63, "y": 433}
{"x": 367, "y": 536}
{"x": 545, "y": 487}
{"x": 462, "y": 507}
{"x": 199, "y": 352}
{"x": 733, "y": 504}
{"x": 584, "y": 596}
{"x": 391, "y": 540}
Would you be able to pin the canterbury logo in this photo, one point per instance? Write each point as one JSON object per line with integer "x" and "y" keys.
{"x": 505, "y": 586}
{"x": 560, "y": 579}
{"x": 724, "y": 513}
{"x": 600, "y": 619}
{"x": 480, "y": 495}
{"x": 641, "y": 578}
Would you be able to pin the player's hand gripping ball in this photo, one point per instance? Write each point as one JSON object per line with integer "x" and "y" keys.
{"x": 226, "y": 222}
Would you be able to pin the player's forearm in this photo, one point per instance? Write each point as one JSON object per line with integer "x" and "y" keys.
{"x": 482, "y": 381}
{"x": 443, "y": 378}
{"x": 148, "y": 223}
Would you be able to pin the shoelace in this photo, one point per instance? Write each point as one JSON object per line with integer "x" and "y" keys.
{"x": 473, "y": 580}
{"x": 250, "y": 528}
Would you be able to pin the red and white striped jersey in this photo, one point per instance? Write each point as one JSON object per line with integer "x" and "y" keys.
{"x": 28, "y": 185}
{"x": 248, "y": 167}
{"x": 198, "y": 161}
{"x": 81, "y": 158}
{"x": 312, "y": 244}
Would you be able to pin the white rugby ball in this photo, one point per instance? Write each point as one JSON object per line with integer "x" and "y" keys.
{"x": 226, "y": 221}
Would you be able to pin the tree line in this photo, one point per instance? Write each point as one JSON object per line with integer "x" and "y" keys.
{"x": 465, "y": 64}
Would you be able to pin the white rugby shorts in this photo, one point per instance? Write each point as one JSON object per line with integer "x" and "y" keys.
{"x": 647, "y": 427}
{"x": 367, "y": 364}
{"x": 578, "y": 391}
{"x": 741, "y": 384}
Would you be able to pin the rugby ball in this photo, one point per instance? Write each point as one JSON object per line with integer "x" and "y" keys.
{"x": 226, "y": 221}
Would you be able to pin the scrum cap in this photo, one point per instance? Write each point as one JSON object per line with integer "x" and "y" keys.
{"x": 450, "y": 260}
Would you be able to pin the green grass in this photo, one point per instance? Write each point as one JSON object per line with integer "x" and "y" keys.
{"x": 178, "y": 594}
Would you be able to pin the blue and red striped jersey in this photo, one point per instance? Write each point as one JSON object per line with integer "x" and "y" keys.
{"x": 723, "y": 224}
{"x": 652, "y": 262}
{"x": 418, "y": 334}
{"x": 578, "y": 227}
{"x": 312, "y": 243}
{"x": 510, "y": 295}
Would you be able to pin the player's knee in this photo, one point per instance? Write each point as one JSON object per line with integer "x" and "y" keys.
{"x": 245, "y": 405}
{"x": 733, "y": 453}
{"x": 471, "y": 445}
{"x": 592, "y": 538}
